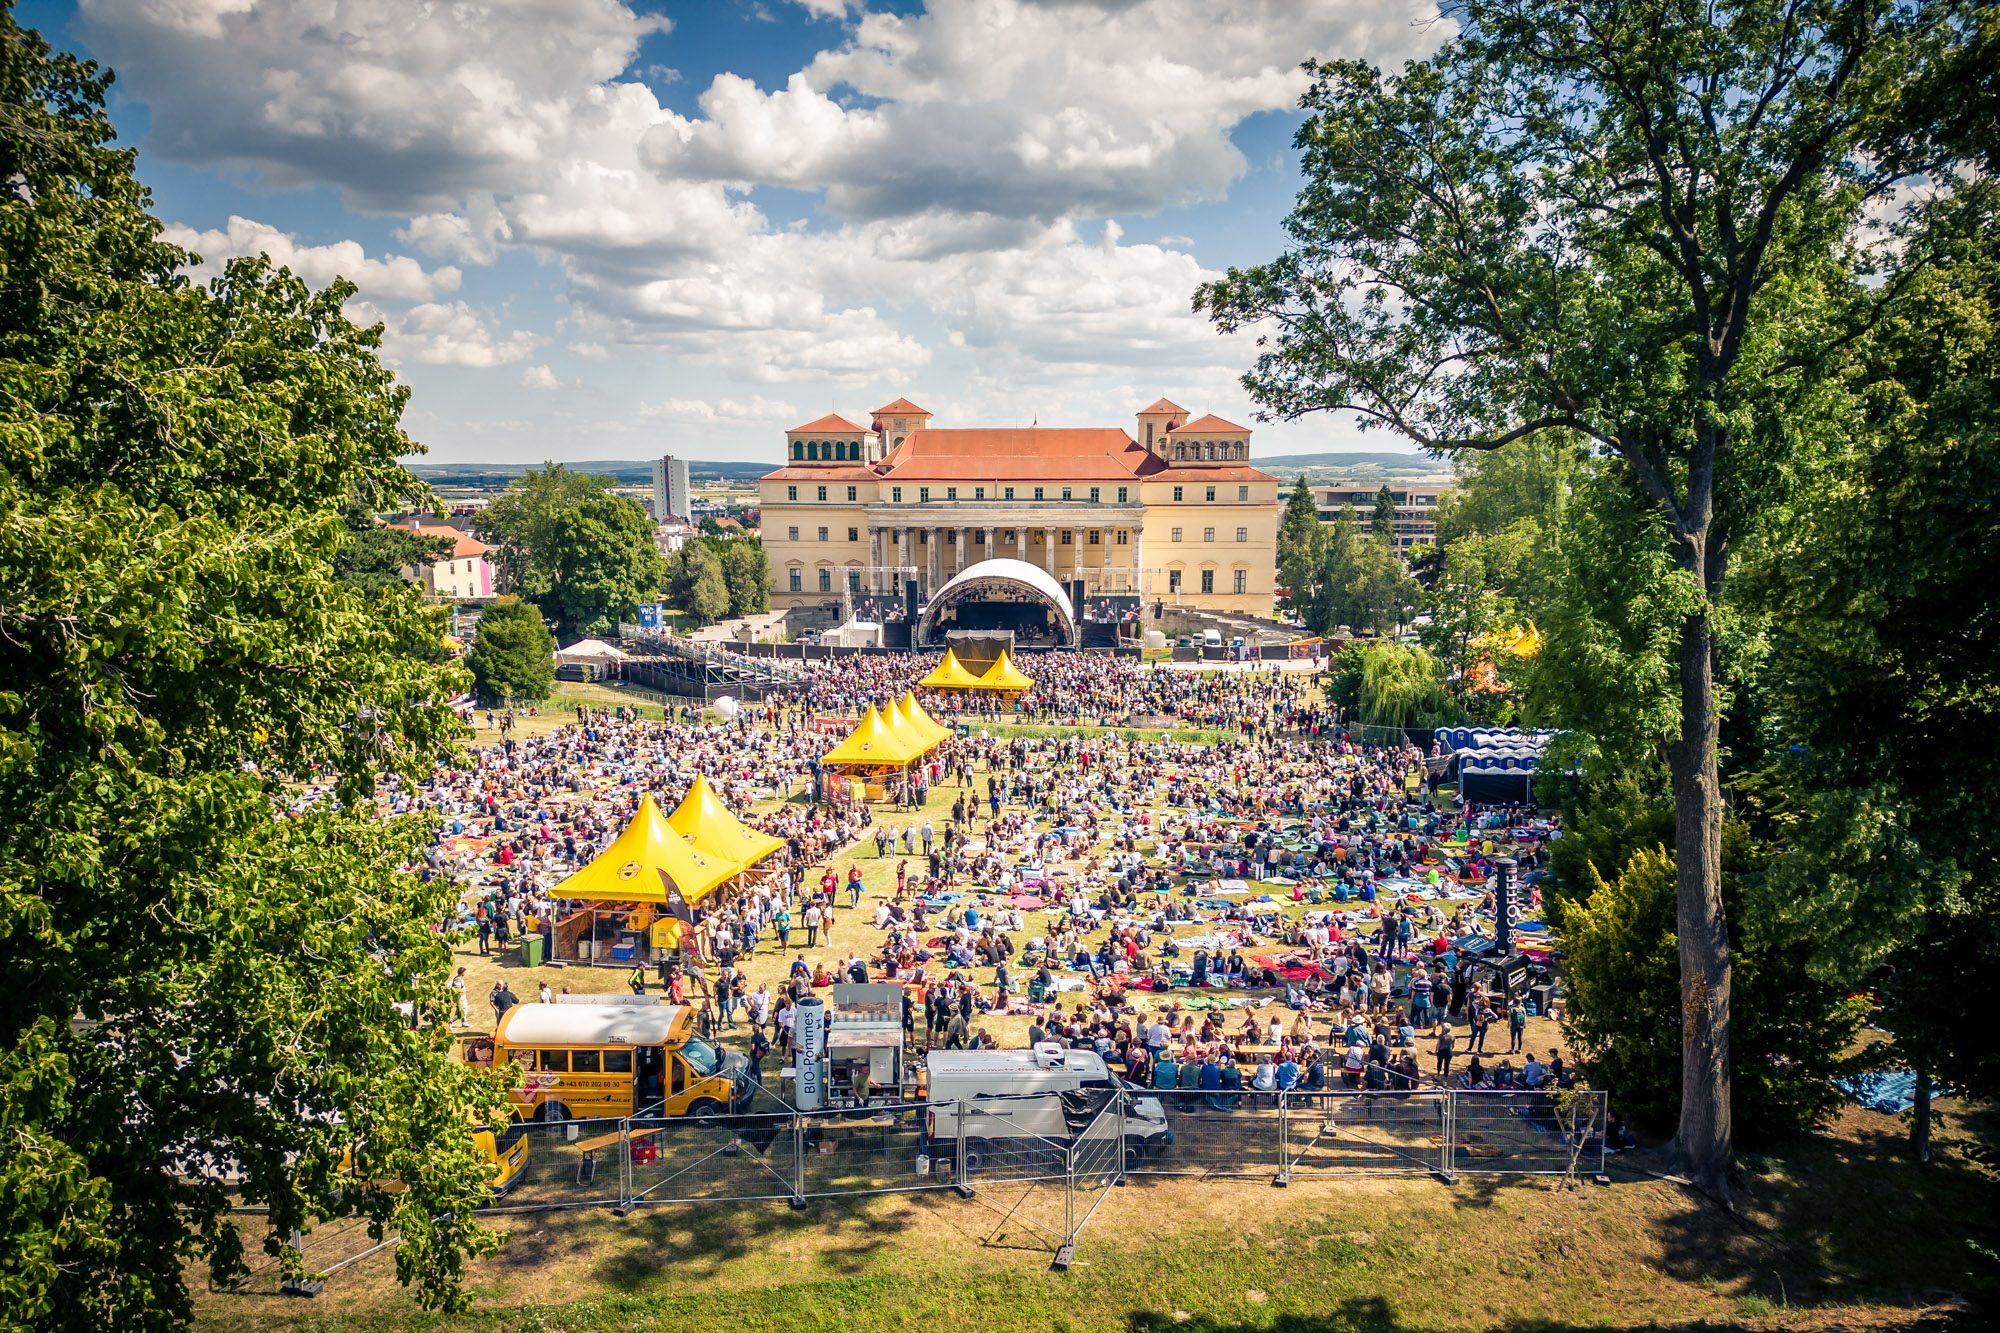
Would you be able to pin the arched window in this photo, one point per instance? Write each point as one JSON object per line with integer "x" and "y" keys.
{"x": 1180, "y": 453}
{"x": 812, "y": 450}
{"x": 799, "y": 450}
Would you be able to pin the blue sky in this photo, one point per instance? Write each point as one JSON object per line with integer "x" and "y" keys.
{"x": 601, "y": 229}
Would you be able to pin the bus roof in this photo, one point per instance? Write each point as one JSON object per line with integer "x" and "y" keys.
{"x": 593, "y": 1025}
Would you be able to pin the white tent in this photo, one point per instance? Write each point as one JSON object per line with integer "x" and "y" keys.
{"x": 589, "y": 652}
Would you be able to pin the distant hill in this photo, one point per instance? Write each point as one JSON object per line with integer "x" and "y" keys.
{"x": 628, "y": 471}
{"x": 1331, "y": 467}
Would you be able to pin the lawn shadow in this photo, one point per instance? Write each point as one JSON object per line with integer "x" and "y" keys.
{"x": 684, "y": 1241}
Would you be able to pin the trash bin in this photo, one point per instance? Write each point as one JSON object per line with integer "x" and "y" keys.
{"x": 531, "y": 950}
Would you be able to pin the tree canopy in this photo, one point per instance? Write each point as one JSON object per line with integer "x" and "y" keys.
{"x": 513, "y": 655}
{"x": 204, "y": 967}
{"x": 521, "y": 524}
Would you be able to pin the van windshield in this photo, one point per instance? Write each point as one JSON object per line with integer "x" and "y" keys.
{"x": 701, "y": 1057}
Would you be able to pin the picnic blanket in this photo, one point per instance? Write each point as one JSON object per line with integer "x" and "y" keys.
{"x": 1890, "y": 1091}
{"x": 1025, "y": 901}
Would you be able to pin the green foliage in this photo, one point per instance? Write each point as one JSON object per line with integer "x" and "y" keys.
{"x": 193, "y": 980}
{"x": 1604, "y": 825}
{"x": 374, "y": 555}
{"x": 513, "y": 655}
{"x": 602, "y": 565}
{"x": 747, "y": 572}
{"x": 1382, "y": 527}
{"x": 1790, "y": 1030}
{"x": 707, "y": 590}
{"x": 1399, "y": 686}
{"x": 1362, "y": 584}
{"x": 521, "y": 525}
{"x": 1301, "y": 548}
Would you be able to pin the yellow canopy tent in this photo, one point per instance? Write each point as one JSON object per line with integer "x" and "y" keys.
{"x": 950, "y": 675}
{"x": 714, "y": 829}
{"x": 646, "y": 861}
{"x": 1002, "y": 675}
{"x": 913, "y": 713}
{"x": 875, "y": 742}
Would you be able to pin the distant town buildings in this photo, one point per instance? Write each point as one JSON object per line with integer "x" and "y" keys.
{"x": 1416, "y": 506}
{"x": 464, "y": 574}
{"x": 672, "y": 497}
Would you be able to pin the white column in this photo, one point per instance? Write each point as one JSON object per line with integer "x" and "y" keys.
{"x": 1139, "y": 563}
{"x": 991, "y": 553}
{"x": 875, "y": 561}
{"x": 1049, "y": 549}
{"x": 958, "y": 544}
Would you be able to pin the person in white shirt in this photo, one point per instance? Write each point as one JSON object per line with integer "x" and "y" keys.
{"x": 457, "y": 984}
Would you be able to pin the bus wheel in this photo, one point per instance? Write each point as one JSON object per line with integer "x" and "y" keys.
{"x": 704, "y": 1108}
{"x": 552, "y": 1112}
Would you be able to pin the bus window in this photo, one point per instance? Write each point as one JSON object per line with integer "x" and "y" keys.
{"x": 583, "y": 1062}
{"x": 525, "y": 1059}
{"x": 618, "y": 1062}
{"x": 680, "y": 1075}
{"x": 555, "y": 1062}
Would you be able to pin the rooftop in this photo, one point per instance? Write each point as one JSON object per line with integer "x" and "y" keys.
{"x": 833, "y": 423}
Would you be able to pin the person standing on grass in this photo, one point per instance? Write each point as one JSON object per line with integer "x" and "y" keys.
{"x": 1444, "y": 1052}
{"x": 1517, "y": 1024}
{"x": 1482, "y": 1019}
{"x": 457, "y": 984}
{"x": 502, "y": 999}
{"x": 812, "y": 920}
{"x": 781, "y": 921}
{"x": 638, "y": 980}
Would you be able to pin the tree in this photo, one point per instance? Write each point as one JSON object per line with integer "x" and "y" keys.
{"x": 747, "y": 573}
{"x": 1301, "y": 548}
{"x": 602, "y": 565}
{"x": 706, "y": 593}
{"x": 514, "y": 655}
{"x": 1793, "y": 1028}
{"x": 1383, "y": 526}
{"x": 1401, "y": 687}
{"x": 195, "y": 980}
{"x": 1631, "y": 223}
{"x": 521, "y": 524}
{"x": 1884, "y": 675}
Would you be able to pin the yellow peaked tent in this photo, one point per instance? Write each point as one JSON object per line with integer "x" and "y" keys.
{"x": 648, "y": 859}
{"x": 715, "y": 831}
{"x": 913, "y": 713}
{"x": 950, "y": 675}
{"x": 1002, "y": 675}
{"x": 875, "y": 742}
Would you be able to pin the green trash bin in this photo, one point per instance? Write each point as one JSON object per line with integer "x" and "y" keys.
{"x": 531, "y": 951}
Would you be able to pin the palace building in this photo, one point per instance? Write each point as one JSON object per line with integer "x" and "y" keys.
{"x": 1169, "y": 512}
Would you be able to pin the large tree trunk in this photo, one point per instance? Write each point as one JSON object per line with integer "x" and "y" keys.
{"x": 1704, "y": 1138}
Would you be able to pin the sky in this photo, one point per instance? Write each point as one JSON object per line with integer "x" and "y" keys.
{"x": 598, "y": 229}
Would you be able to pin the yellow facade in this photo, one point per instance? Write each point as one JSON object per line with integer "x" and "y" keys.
{"x": 1184, "y": 520}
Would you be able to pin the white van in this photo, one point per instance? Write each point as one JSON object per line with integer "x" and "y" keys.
{"x": 1026, "y": 1091}
{"x": 1211, "y": 638}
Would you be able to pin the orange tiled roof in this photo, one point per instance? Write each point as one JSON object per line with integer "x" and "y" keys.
{"x": 833, "y": 422}
{"x": 1162, "y": 406}
{"x": 464, "y": 547}
{"x": 902, "y": 406}
{"x": 808, "y": 472}
{"x": 1036, "y": 453}
{"x": 1210, "y": 423}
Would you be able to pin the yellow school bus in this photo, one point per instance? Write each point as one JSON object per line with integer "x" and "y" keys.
{"x": 591, "y": 1061}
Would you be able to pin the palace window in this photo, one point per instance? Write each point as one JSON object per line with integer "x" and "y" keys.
{"x": 1093, "y": 495}
{"x": 1242, "y": 493}
{"x": 979, "y": 492}
{"x": 796, "y": 580}
{"x": 1094, "y": 535}
{"x": 812, "y": 451}
{"x": 1121, "y": 494}
{"x": 854, "y": 580}
{"x": 1173, "y": 580}
{"x": 1211, "y": 495}
{"x": 851, "y": 495}
{"x": 792, "y": 533}
{"x": 822, "y": 494}
{"x": 895, "y": 495}
{"x": 1038, "y": 492}
{"x": 1207, "y": 580}
{"x": 1242, "y": 534}
{"x": 1008, "y": 494}
{"x": 1176, "y": 536}
{"x": 1177, "y": 493}
{"x": 822, "y": 534}
{"x": 825, "y": 579}
{"x": 1124, "y": 537}
{"x": 791, "y": 492}
{"x": 979, "y": 536}
{"x": 799, "y": 450}
{"x": 854, "y": 534}
{"x": 1067, "y": 535}
{"x": 1208, "y": 534}
{"x": 951, "y": 492}
{"x": 1065, "y": 492}
{"x": 1242, "y": 581}
{"x": 923, "y": 495}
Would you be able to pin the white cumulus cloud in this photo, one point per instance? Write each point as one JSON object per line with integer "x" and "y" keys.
{"x": 388, "y": 278}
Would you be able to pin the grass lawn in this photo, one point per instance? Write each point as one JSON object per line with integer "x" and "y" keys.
{"x": 1835, "y": 1231}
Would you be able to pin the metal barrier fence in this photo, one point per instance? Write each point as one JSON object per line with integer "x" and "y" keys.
{"x": 1065, "y": 1150}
